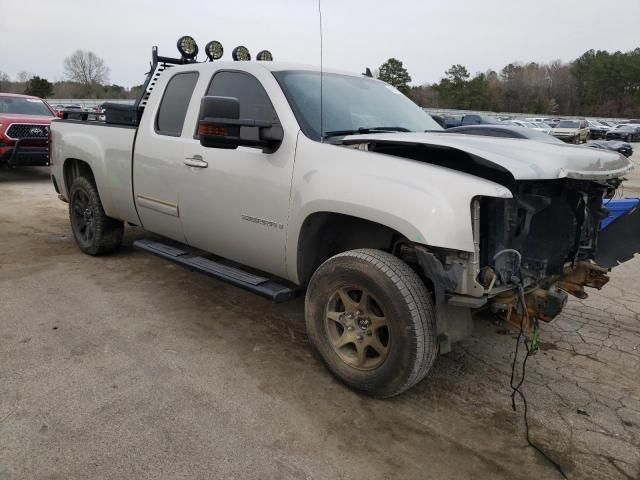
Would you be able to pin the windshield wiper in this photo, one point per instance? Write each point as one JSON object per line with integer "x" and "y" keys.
{"x": 363, "y": 130}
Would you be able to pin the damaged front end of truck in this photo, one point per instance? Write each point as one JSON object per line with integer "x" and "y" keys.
{"x": 545, "y": 238}
{"x": 530, "y": 251}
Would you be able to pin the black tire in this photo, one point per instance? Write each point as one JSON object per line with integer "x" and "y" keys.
{"x": 95, "y": 233}
{"x": 402, "y": 299}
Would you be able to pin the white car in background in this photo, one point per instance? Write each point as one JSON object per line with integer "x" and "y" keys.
{"x": 542, "y": 127}
{"x": 573, "y": 131}
{"x": 538, "y": 126}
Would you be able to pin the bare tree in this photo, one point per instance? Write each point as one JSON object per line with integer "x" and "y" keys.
{"x": 4, "y": 81}
{"x": 24, "y": 76}
{"x": 86, "y": 67}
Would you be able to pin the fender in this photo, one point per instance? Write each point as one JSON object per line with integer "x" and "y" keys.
{"x": 426, "y": 203}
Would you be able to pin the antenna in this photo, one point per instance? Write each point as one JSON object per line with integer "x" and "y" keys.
{"x": 321, "y": 75}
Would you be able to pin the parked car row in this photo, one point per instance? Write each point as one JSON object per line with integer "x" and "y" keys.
{"x": 575, "y": 131}
{"x": 78, "y": 112}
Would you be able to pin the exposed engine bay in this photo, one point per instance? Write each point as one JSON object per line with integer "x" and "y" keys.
{"x": 546, "y": 238}
{"x": 541, "y": 242}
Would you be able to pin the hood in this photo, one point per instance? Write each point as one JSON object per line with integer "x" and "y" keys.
{"x": 7, "y": 118}
{"x": 524, "y": 159}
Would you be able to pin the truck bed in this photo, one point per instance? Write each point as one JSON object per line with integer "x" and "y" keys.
{"x": 108, "y": 149}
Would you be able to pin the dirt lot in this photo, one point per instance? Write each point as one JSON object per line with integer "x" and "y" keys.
{"x": 130, "y": 367}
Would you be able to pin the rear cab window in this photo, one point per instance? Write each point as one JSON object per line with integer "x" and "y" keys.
{"x": 175, "y": 103}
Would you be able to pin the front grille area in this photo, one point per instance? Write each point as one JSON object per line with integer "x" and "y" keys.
{"x": 550, "y": 222}
{"x": 22, "y": 130}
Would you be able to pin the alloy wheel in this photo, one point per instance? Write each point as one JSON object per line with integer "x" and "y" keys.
{"x": 83, "y": 216}
{"x": 357, "y": 327}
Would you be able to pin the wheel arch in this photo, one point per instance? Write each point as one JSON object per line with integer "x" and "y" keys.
{"x": 324, "y": 234}
{"x": 74, "y": 168}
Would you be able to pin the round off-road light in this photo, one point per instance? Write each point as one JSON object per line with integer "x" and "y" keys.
{"x": 264, "y": 56}
{"x": 187, "y": 47}
{"x": 241, "y": 54}
{"x": 214, "y": 50}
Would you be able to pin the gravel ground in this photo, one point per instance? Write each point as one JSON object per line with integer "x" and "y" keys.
{"x": 130, "y": 367}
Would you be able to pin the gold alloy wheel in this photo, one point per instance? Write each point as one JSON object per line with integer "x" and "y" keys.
{"x": 357, "y": 328}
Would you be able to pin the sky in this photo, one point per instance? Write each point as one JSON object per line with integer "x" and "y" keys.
{"x": 428, "y": 36}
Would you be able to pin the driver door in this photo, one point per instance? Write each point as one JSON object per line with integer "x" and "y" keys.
{"x": 235, "y": 202}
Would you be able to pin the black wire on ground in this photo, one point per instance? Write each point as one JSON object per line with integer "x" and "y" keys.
{"x": 516, "y": 389}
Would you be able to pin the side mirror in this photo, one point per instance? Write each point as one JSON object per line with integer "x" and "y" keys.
{"x": 220, "y": 126}
{"x": 59, "y": 114}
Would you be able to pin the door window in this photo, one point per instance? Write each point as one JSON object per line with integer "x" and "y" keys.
{"x": 254, "y": 101}
{"x": 174, "y": 104}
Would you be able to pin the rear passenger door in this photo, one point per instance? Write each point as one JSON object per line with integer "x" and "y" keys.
{"x": 158, "y": 158}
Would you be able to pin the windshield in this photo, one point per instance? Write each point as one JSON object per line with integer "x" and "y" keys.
{"x": 350, "y": 104}
{"x": 24, "y": 106}
{"x": 567, "y": 124}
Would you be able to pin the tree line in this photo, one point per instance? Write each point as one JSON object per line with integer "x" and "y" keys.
{"x": 598, "y": 83}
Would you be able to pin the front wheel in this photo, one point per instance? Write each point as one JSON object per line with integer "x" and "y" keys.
{"x": 372, "y": 321}
{"x": 94, "y": 231}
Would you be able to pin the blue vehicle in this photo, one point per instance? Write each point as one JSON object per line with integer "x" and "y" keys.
{"x": 619, "y": 232}
{"x": 618, "y": 207}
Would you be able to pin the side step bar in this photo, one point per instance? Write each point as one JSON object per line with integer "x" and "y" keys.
{"x": 254, "y": 283}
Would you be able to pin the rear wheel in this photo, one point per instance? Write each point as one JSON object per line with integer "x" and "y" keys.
{"x": 94, "y": 231}
{"x": 372, "y": 321}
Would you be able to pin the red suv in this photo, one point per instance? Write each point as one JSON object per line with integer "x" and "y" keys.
{"x": 24, "y": 130}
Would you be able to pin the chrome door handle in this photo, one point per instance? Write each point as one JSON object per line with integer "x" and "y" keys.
{"x": 195, "y": 161}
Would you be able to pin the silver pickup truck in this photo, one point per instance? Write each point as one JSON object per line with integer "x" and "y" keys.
{"x": 337, "y": 185}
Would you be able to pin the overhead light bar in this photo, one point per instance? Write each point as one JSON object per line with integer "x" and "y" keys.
{"x": 264, "y": 56}
{"x": 187, "y": 47}
{"x": 214, "y": 50}
{"x": 241, "y": 54}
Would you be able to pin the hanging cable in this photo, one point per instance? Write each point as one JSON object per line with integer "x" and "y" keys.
{"x": 516, "y": 388}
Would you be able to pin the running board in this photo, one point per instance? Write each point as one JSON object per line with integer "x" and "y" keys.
{"x": 254, "y": 283}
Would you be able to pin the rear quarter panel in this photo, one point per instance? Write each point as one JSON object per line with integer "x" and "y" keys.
{"x": 108, "y": 151}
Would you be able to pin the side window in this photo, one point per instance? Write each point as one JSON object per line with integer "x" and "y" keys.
{"x": 174, "y": 104}
{"x": 254, "y": 101}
